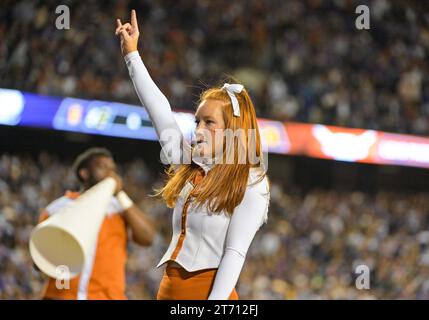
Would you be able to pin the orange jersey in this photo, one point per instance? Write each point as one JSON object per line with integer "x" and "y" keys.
{"x": 103, "y": 276}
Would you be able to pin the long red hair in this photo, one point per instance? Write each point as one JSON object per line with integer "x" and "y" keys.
{"x": 225, "y": 184}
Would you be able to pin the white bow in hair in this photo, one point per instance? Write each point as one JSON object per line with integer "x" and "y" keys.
{"x": 231, "y": 89}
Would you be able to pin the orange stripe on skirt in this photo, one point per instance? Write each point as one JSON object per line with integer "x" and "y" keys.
{"x": 179, "y": 284}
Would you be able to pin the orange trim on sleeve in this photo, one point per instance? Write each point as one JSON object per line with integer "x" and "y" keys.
{"x": 43, "y": 216}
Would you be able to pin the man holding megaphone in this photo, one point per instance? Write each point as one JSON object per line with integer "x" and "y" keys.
{"x": 102, "y": 275}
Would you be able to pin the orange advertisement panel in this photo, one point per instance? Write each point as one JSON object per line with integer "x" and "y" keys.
{"x": 357, "y": 145}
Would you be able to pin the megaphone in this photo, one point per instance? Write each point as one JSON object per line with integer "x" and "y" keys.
{"x": 68, "y": 237}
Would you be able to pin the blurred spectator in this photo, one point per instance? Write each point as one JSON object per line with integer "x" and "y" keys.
{"x": 308, "y": 250}
{"x": 301, "y": 60}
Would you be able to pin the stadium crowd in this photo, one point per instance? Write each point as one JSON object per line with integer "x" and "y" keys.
{"x": 309, "y": 249}
{"x": 301, "y": 60}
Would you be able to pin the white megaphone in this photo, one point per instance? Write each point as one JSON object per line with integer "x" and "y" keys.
{"x": 68, "y": 237}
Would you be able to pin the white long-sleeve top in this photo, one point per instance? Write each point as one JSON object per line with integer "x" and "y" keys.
{"x": 212, "y": 240}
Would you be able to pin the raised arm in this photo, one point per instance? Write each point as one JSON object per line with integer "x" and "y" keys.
{"x": 150, "y": 95}
{"x": 248, "y": 217}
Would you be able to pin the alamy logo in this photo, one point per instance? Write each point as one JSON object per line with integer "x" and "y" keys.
{"x": 227, "y": 146}
{"x": 62, "y": 277}
{"x": 63, "y": 20}
{"x": 363, "y": 20}
{"x": 363, "y": 279}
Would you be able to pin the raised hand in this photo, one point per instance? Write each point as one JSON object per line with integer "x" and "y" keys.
{"x": 128, "y": 33}
{"x": 119, "y": 183}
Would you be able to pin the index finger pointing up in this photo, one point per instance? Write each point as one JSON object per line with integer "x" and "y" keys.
{"x": 134, "y": 19}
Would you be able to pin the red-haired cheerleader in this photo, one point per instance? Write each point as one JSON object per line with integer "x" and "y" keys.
{"x": 219, "y": 200}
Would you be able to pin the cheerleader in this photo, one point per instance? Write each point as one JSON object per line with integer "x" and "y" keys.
{"x": 218, "y": 207}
